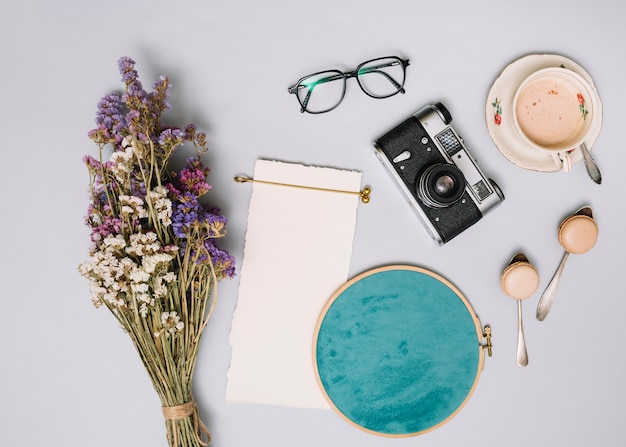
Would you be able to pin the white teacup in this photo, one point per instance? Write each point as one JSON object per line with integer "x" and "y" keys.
{"x": 554, "y": 112}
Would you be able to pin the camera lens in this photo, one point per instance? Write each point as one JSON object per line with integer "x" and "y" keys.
{"x": 444, "y": 185}
{"x": 441, "y": 185}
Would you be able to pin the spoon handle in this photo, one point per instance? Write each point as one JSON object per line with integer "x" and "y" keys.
{"x": 592, "y": 167}
{"x": 545, "y": 302}
{"x": 522, "y": 354}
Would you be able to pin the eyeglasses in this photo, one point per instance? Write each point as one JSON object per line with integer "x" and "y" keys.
{"x": 323, "y": 91}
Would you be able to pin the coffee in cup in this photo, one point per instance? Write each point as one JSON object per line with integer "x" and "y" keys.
{"x": 554, "y": 111}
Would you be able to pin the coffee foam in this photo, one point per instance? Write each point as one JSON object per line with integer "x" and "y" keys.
{"x": 548, "y": 111}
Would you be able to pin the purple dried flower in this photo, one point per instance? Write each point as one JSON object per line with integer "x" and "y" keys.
{"x": 185, "y": 213}
{"x": 127, "y": 69}
{"x": 110, "y": 120}
{"x": 159, "y": 98}
{"x": 192, "y": 177}
{"x": 110, "y": 226}
{"x": 135, "y": 94}
{"x": 171, "y": 136}
{"x": 91, "y": 162}
{"x": 132, "y": 122}
{"x": 223, "y": 262}
{"x": 190, "y": 132}
{"x": 132, "y": 116}
{"x": 214, "y": 221}
{"x": 137, "y": 188}
{"x": 200, "y": 140}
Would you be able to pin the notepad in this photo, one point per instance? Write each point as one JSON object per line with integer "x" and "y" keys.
{"x": 297, "y": 253}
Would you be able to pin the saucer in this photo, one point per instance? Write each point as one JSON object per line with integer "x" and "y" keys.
{"x": 499, "y": 117}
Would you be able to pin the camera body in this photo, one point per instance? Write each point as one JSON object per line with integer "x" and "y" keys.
{"x": 436, "y": 172}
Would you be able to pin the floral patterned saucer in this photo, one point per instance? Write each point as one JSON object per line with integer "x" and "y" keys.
{"x": 499, "y": 117}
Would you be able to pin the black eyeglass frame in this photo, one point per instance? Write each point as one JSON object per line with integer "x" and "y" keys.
{"x": 351, "y": 74}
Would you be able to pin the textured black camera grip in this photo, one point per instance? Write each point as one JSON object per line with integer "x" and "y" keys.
{"x": 411, "y": 136}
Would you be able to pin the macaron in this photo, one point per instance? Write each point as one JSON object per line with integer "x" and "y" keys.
{"x": 519, "y": 279}
{"x": 578, "y": 233}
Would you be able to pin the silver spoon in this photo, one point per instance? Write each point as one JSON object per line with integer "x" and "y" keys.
{"x": 520, "y": 280}
{"x": 577, "y": 234}
{"x": 592, "y": 167}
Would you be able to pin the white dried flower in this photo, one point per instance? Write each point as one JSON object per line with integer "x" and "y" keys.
{"x": 139, "y": 287}
{"x": 143, "y": 310}
{"x": 157, "y": 198}
{"x": 122, "y": 161}
{"x": 142, "y": 244}
{"x": 132, "y": 207}
{"x": 171, "y": 322}
{"x": 160, "y": 289}
{"x": 169, "y": 277}
{"x": 139, "y": 275}
{"x": 149, "y": 263}
{"x": 113, "y": 243}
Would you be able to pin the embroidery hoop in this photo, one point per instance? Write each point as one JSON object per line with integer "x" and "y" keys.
{"x": 395, "y": 380}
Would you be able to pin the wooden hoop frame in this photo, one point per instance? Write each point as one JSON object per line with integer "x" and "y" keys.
{"x": 395, "y": 431}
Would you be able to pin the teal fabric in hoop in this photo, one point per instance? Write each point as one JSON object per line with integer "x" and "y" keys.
{"x": 397, "y": 351}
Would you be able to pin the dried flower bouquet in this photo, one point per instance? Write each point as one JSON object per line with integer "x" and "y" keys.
{"x": 155, "y": 261}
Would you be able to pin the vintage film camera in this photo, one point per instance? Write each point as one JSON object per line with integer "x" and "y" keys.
{"x": 435, "y": 170}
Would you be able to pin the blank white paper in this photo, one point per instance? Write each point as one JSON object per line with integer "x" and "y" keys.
{"x": 297, "y": 254}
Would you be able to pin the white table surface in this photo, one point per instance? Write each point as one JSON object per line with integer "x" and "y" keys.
{"x": 70, "y": 377}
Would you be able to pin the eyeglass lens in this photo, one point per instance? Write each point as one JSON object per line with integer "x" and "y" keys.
{"x": 321, "y": 92}
{"x": 379, "y": 78}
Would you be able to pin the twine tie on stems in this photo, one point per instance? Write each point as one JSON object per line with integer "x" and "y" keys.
{"x": 189, "y": 409}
